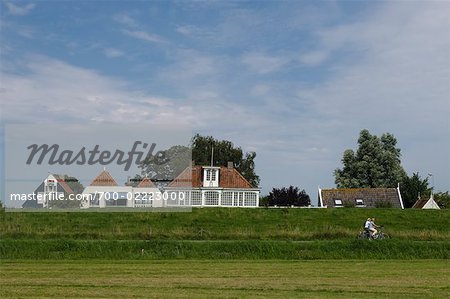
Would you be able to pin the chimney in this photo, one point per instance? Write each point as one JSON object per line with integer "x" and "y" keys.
{"x": 230, "y": 164}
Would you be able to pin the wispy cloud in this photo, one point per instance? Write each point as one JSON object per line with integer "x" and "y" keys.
{"x": 314, "y": 58}
{"x": 103, "y": 98}
{"x": 263, "y": 63}
{"x": 125, "y": 19}
{"x": 17, "y": 10}
{"x": 113, "y": 53}
{"x": 145, "y": 36}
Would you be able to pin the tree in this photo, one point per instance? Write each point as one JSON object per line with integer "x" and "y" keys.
{"x": 376, "y": 163}
{"x": 224, "y": 152}
{"x": 291, "y": 196}
{"x": 442, "y": 199}
{"x": 168, "y": 164}
{"x": 412, "y": 187}
{"x": 165, "y": 165}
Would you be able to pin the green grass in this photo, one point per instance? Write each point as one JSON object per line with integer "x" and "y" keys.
{"x": 232, "y": 249}
{"x": 226, "y": 224}
{"x": 225, "y": 279}
{"x": 232, "y": 234}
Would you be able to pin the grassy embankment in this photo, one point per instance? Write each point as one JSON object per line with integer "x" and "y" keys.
{"x": 224, "y": 233}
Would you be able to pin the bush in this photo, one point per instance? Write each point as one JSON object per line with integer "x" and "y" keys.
{"x": 383, "y": 205}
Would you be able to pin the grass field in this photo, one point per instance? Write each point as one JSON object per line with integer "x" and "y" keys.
{"x": 228, "y": 253}
{"x": 225, "y": 279}
{"x": 226, "y": 224}
{"x": 222, "y": 249}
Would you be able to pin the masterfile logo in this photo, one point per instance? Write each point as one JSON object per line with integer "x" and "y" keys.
{"x": 52, "y": 155}
{"x": 34, "y": 154}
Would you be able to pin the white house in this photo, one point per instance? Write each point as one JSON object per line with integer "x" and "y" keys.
{"x": 104, "y": 192}
{"x": 212, "y": 186}
{"x": 426, "y": 203}
{"x": 55, "y": 191}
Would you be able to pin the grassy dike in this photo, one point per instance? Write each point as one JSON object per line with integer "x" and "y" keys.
{"x": 220, "y": 233}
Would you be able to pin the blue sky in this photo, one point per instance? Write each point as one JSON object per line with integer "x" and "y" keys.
{"x": 294, "y": 81}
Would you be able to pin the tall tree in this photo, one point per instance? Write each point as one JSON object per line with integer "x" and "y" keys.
{"x": 291, "y": 196}
{"x": 224, "y": 152}
{"x": 442, "y": 199}
{"x": 376, "y": 163}
{"x": 167, "y": 164}
{"x": 412, "y": 187}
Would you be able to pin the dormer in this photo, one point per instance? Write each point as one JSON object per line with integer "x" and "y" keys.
{"x": 50, "y": 184}
{"x": 211, "y": 176}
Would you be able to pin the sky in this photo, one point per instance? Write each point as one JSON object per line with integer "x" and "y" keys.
{"x": 294, "y": 81}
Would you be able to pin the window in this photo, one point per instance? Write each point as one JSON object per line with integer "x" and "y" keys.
{"x": 196, "y": 198}
{"x": 211, "y": 198}
{"x": 338, "y": 203}
{"x": 115, "y": 199}
{"x": 359, "y": 202}
{"x": 250, "y": 199}
{"x": 238, "y": 199}
{"x": 211, "y": 177}
{"x": 94, "y": 199}
{"x": 227, "y": 198}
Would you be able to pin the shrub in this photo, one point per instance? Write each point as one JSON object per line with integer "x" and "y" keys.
{"x": 383, "y": 205}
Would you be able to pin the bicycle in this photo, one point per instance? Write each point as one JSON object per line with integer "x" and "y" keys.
{"x": 380, "y": 235}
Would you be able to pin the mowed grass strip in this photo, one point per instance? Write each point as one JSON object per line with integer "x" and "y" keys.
{"x": 226, "y": 224}
{"x": 225, "y": 279}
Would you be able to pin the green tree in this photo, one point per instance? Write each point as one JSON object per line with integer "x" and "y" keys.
{"x": 224, "y": 152}
{"x": 164, "y": 165}
{"x": 412, "y": 187}
{"x": 291, "y": 196}
{"x": 376, "y": 163}
{"x": 442, "y": 199}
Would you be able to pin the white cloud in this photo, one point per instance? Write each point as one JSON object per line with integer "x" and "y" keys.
{"x": 197, "y": 32}
{"x": 262, "y": 63}
{"x": 314, "y": 58}
{"x": 17, "y": 10}
{"x": 126, "y": 20}
{"x": 145, "y": 36}
{"x": 51, "y": 90}
{"x": 113, "y": 53}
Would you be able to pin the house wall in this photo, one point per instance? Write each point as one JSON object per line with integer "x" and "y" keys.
{"x": 121, "y": 196}
{"x": 215, "y": 197}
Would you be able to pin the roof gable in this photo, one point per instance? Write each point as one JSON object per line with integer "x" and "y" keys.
{"x": 146, "y": 183}
{"x": 104, "y": 179}
{"x": 61, "y": 181}
{"x": 425, "y": 204}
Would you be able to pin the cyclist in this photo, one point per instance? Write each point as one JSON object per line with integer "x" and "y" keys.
{"x": 373, "y": 227}
{"x": 367, "y": 226}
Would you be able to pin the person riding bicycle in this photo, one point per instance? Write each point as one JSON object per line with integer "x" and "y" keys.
{"x": 373, "y": 227}
{"x": 367, "y": 224}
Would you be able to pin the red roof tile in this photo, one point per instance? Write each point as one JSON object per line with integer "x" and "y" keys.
{"x": 63, "y": 184}
{"x": 193, "y": 177}
{"x": 146, "y": 183}
{"x": 104, "y": 179}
